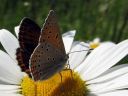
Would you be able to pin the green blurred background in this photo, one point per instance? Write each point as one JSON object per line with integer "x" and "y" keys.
{"x": 107, "y": 19}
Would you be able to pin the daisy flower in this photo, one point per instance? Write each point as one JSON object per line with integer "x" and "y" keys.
{"x": 95, "y": 43}
{"x": 92, "y": 75}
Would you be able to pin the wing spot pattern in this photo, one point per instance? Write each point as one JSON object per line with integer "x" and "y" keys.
{"x": 39, "y": 65}
{"x": 53, "y": 59}
{"x": 47, "y": 49}
{"x": 48, "y": 45}
{"x": 43, "y": 40}
{"x": 40, "y": 73}
{"x": 56, "y": 36}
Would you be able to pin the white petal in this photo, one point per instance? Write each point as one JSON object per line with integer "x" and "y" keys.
{"x": 9, "y": 87}
{"x": 9, "y": 42}
{"x": 10, "y": 91}
{"x": 117, "y": 83}
{"x": 78, "y": 54}
{"x": 106, "y": 60}
{"x": 10, "y": 94}
{"x": 120, "y": 82}
{"x": 115, "y": 93}
{"x": 113, "y": 72}
{"x": 9, "y": 70}
{"x": 68, "y": 38}
{"x": 88, "y": 62}
{"x": 16, "y": 30}
{"x": 96, "y": 40}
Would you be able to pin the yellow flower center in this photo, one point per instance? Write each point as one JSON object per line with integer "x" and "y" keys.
{"x": 68, "y": 83}
{"x": 94, "y": 45}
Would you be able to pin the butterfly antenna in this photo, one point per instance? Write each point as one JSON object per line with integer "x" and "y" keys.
{"x": 80, "y": 51}
{"x": 68, "y": 65}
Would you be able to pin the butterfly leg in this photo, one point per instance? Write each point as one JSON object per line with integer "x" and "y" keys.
{"x": 68, "y": 68}
{"x": 62, "y": 88}
{"x": 71, "y": 73}
{"x": 67, "y": 65}
{"x": 61, "y": 77}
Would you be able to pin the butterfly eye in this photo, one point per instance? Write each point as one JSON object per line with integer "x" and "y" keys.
{"x": 48, "y": 37}
{"x": 49, "y": 31}
{"x": 47, "y": 49}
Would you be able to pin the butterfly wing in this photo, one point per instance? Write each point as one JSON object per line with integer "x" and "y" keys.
{"x": 46, "y": 61}
{"x": 49, "y": 56}
{"x": 29, "y": 33}
{"x": 51, "y": 32}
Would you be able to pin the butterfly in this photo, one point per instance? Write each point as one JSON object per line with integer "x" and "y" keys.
{"x": 41, "y": 53}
